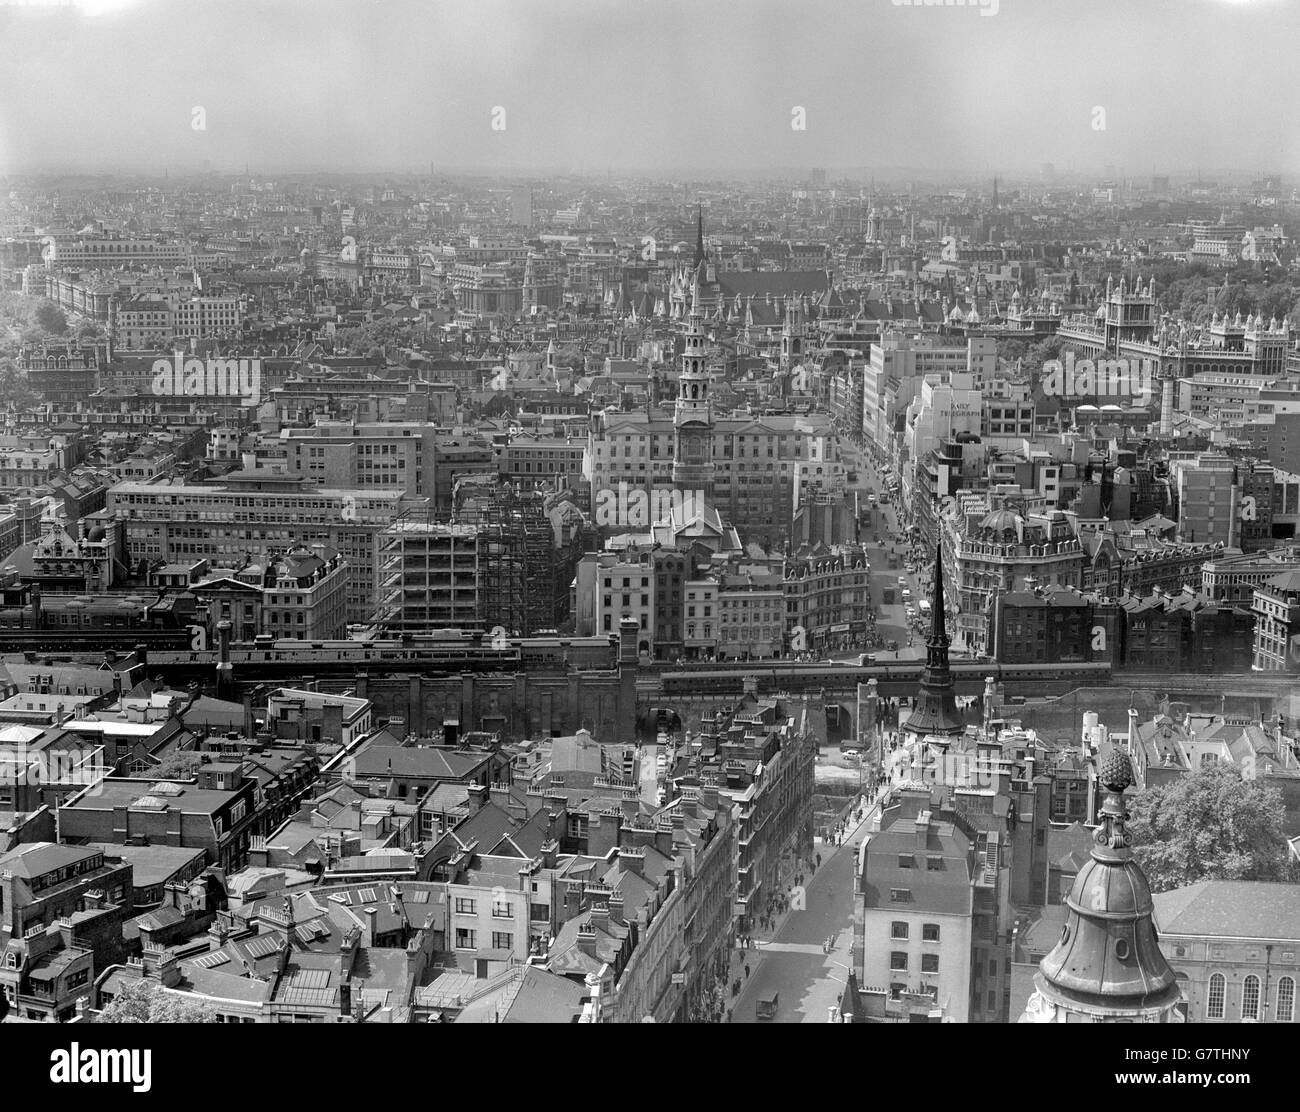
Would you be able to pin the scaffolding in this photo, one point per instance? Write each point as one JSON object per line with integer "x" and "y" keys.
{"x": 518, "y": 561}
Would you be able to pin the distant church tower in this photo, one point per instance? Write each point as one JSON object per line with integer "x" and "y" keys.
{"x": 793, "y": 340}
{"x": 693, "y": 418}
{"x": 793, "y": 335}
{"x": 1107, "y": 967}
{"x": 529, "y": 299}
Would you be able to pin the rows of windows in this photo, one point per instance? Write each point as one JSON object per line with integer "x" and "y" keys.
{"x": 898, "y": 961}
{"x": 900, "y": 930}
{"x": 1216, "y": 999}
{"x": 467, "y": 939}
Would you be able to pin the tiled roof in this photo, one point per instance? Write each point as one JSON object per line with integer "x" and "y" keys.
{"x": 1231, "y": 908}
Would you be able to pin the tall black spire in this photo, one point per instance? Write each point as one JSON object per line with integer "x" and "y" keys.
{"x": 699, "y": 235}
{"x": 936, "y": 705}
{"x": 939, "y": 639}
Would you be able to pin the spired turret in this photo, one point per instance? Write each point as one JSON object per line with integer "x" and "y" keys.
{"x": 1107, "y": 967}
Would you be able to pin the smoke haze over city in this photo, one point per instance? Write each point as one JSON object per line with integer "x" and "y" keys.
{"x": 661, "y": 88}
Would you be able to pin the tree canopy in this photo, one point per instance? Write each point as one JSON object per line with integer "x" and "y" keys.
{"x": 1210, "y": 825}
{"x": 51, "y": 318}
{"x": 181, "y": 764}
{"x": 145, "y": 1002}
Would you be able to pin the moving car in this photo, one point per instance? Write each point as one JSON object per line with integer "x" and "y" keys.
{"x": 766, "y": 1009}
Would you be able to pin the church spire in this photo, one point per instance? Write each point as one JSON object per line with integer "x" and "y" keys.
{"x": 936, "y": 705}
{"x": 939, "y": 639}
{"x": 699, "y": 235}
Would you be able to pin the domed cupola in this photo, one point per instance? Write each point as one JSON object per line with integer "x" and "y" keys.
{"x": 1107, "y": 966}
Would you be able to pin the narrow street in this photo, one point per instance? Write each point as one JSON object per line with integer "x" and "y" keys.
{"x": 793, "y": 965}
{"x": 876, "y": 535}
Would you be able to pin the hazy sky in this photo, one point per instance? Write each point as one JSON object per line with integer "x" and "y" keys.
{"x": 666, "y": 85}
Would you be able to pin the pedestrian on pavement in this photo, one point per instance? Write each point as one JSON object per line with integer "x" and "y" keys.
{"x": 746, "y": 969}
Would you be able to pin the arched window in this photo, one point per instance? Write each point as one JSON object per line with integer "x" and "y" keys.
{"x": 1250, "y": 998}
{"x": 1286, "y": 1000}
{"x": 1217, "y": 993}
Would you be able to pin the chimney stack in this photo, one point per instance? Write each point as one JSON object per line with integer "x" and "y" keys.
{"x": 225, "y": 670}
{"x": 550, "y": 850}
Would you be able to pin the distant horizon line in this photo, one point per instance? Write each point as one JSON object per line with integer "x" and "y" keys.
{"x": 799, "y": 174}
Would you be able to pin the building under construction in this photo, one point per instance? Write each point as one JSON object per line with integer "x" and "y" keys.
{"x": 493, "y": 563}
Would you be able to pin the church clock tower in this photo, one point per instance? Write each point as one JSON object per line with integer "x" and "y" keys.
{"x": 693, "y": 418}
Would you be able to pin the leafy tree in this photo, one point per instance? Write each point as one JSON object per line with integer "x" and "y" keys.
{"x": 1211, "y": 825}
{"x": 1039, "y": 353}
{"x": 180, "y": 765}
{"x": 1011, "y": 350}
{"x": 144, "y": 1002}
{"x": 14, "y": 387}
{"x": 51, "y": 318}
